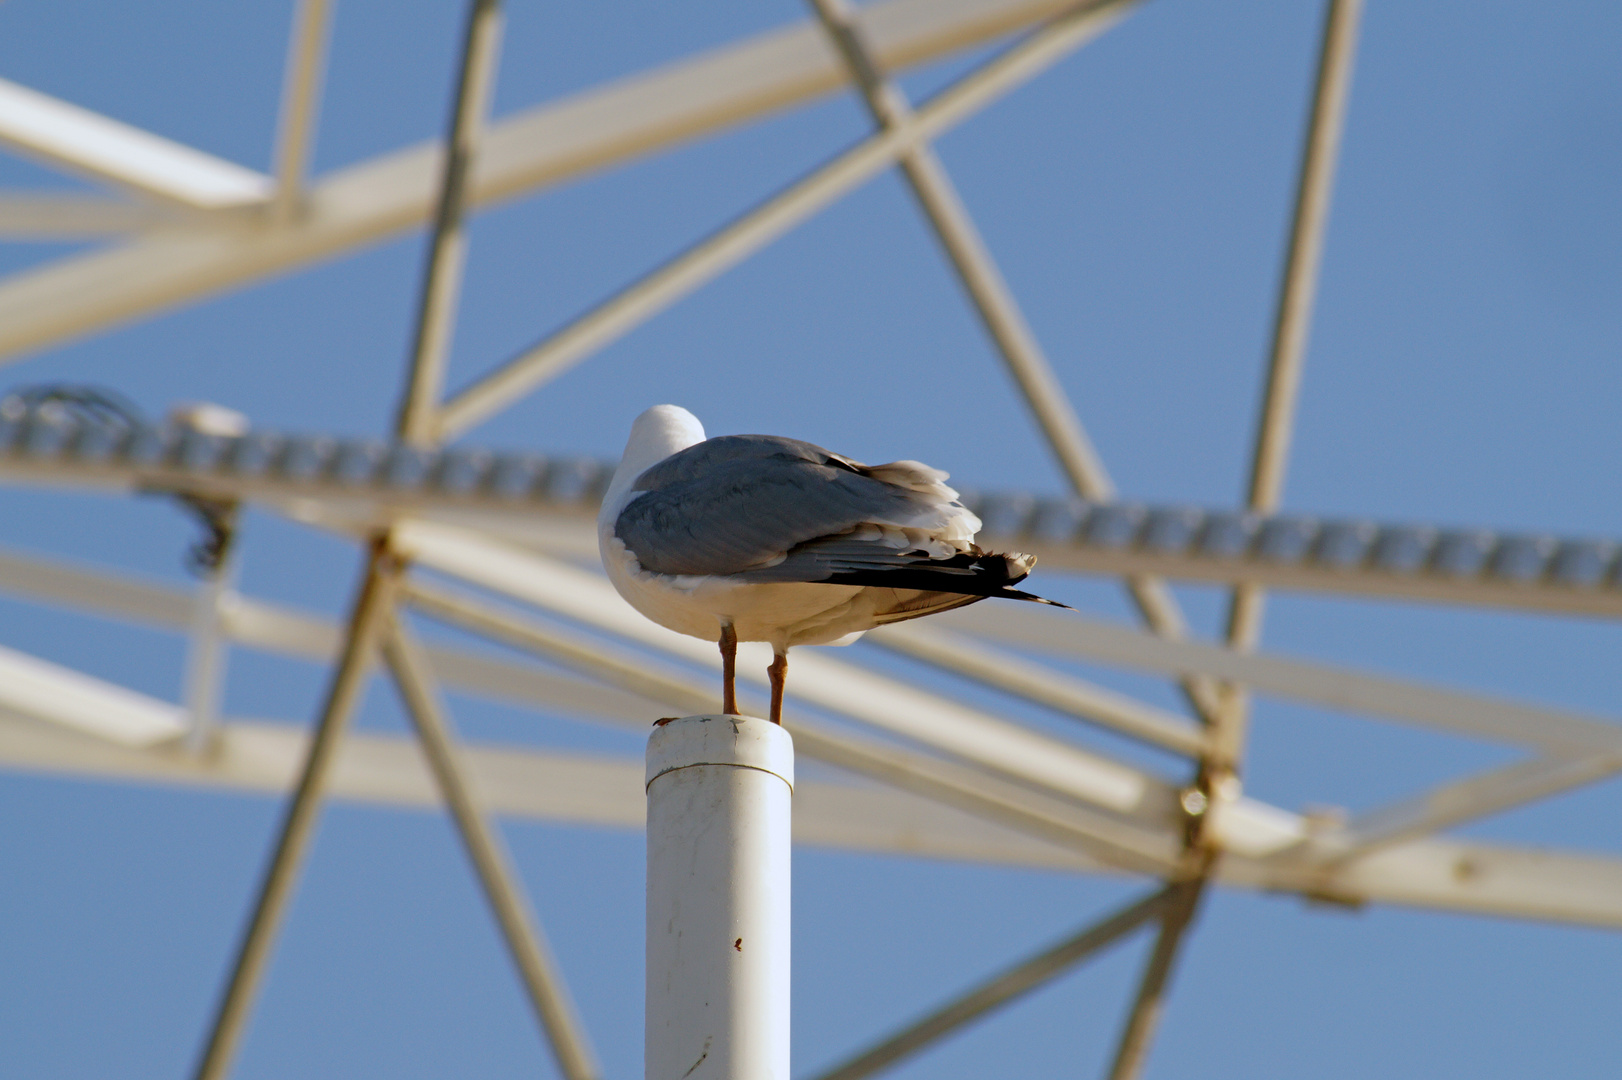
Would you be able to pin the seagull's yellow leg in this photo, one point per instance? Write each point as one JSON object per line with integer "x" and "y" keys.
{"x": 778, "y": 672}
{"x": 729, "y": 669}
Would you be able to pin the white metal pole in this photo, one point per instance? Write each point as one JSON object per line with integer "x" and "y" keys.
{"x": 205, "y": 662}
{"x": 719, "y": 791}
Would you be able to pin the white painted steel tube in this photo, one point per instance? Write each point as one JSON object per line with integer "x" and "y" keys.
{"x": 719, "y": 792}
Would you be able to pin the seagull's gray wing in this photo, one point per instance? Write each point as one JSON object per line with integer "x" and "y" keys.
{"x": 742, "y": 503}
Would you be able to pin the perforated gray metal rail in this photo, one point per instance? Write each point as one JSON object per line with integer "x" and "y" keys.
{"x": 1459, "y": 565}
{"x": 1422, "y": 562}
{"x": 52, "y": 445}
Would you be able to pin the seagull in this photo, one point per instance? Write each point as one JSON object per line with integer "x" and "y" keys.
{"x": 764, "y": 538}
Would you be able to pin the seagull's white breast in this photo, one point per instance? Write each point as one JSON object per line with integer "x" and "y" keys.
{"x": 788, "y": 613}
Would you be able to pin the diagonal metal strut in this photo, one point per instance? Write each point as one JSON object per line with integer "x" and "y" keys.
{"x": 276, "y": 889}
{"x": 1000, "y": 313}
{"x": 1217, "y": 779}
{"x": 1297, "y": 291}
{"x": 301, "y": 100}
{"x": 1139, "y": 1032}
{"x": 1004, "y": 987}
{"x": 747, "y": 234}
{"x": 525, "y": 939}
{"x": 372, "y": 615}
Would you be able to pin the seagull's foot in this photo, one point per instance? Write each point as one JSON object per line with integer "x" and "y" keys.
{"x": 729, "y": 669}
{"x": 779, "y": 674}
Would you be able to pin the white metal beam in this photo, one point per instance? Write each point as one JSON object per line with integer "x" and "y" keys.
{"x": 301, "y": 101}
{"x": 1220, "y": 766}
{"x": 577, "y": 789}
{"x": 285, "y": 631}
{"x": 95, "y": 590}
{"x": 447, "y": 245}
{"x": 1462, "y": 801}
{"x": 534, "y": 148}
{"x": 265, "y": 626}
{"x": 260, "y": 625}
{"x": 1427, "y": 873}
{"x": 372, "y": 606}
{"x": 106, "y": 149}
{"x": 885, "y": 703}
{"x": 1121, "y": 844}
{"x": 1077, "y": 637}
{"x": 749, "y": 233}
{"x": 465, "y": 800}
{"x": 1297, "y": 292}
{"x": 1001, "y": 988}
{"x": 1137, "y": 1034}
{"x": 976, "y": 268}
{"x": 1446, "y": 875}
{"x": 53, "y": 216}
{"x": 999, "y": 312}
{"x": 963, "y": 655}
{"x": 59, "y": 695}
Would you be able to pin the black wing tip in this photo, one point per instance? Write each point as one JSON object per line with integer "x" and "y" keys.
{"x": 976, "y": 572}
{"x": 1019, "y": 594}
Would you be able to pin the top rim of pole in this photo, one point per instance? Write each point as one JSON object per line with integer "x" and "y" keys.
{"x": 721, "y": 739}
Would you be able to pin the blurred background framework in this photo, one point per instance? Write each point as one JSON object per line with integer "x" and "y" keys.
{"x": 1138, "y": 197}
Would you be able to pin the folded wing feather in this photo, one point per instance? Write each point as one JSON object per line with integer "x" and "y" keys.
{"x": 775, "y": 509}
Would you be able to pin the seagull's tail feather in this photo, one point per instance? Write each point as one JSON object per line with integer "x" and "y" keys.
{"x": 1017, "y": 594}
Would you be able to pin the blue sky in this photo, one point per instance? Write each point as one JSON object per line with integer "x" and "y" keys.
{"x": 1462, "y": 369}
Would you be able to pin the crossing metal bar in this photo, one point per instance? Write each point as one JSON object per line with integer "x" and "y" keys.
{"x": 1111, "y": 840}
{"x": 1555, "y": 731}
{"x": 969, "y": 256}
{"x": 257, "y": 624}
{"x": 1139, "y": 1032}
{"x": 301, "y": 96}
{"x": 366, "y": 622}
{"x": 376, "y": 600}
{"x": 963, "y": 655}
{"x": 442, "y": 280}
{"x": 53, "y": 216}
{"x": 525, "y": 939}
{"x": 87, "y": 142}
{"x": 747, "y": 234}
{"x": 1217, "y": 779}
{"x": 998, "y": 311}
{"x": 1297, "y": 292}
{"x": 206, "y": 655}
{"x": 1466, "y": 800}
{"x": 1003, "y": 988}
{"x": 537, "y": 147}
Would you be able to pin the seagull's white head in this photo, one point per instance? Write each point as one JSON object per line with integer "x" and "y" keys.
{"x": 655, "y": 435}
